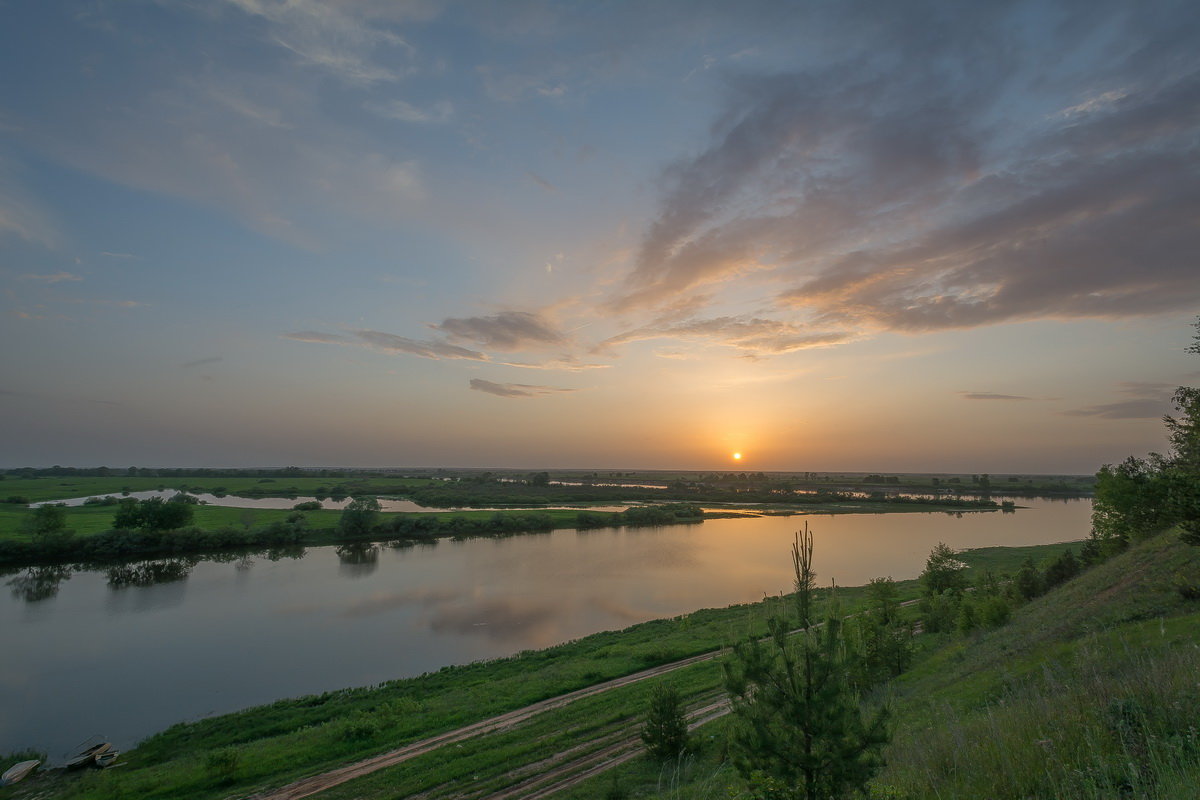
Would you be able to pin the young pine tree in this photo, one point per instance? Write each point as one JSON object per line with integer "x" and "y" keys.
{"x": 665, "y": 732}
{"x": 799, "y": 728}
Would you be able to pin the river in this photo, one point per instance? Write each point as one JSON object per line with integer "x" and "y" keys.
{"x": 88, "y": 652}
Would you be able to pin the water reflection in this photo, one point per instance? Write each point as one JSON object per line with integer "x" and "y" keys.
{"x": 38, "y": 583}
{"x": 510, "y": 620}
{"x": 148, "y": 573}
{"x": 357, "y": 560}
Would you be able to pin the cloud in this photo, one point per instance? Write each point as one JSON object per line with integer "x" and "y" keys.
{"x": 515, "y": 389}
{"x": 540, "y": 181}
{"x": 505, "y": 620}
{"x": 200, "y": 362}
{"x": 444, "y": 350}
{"x": 992, "y": 396}
{"x": 508, "y": 330}
{"x": 57, "y": 277}
{"x": 329, "y": 37}
{"x": 390, "y": 343}
{"x": 20, "y": 214}
{"x": 317, "y": 337}
{"x": 1147, "y": 401}
{"x": 882, "y": 191}
{"x": 754, "y": 336}
{"x": 439, "y": 113}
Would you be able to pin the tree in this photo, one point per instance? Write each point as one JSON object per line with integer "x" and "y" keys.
{"x": 1139, "y": 495}
{"x": 358, "y": 518}
{"x": 1182, "y": 476}
{"x": 1131, "y": 499}
{"x": 1061, "y": 569}
{"x": 47, "y": 526}
{"x": 154, "y": 514}
{"x": 800, "y": 731}
{"x": 665, "y": 732}
{"x": 1028, "y": 581}
{"x": 943, "y": 571}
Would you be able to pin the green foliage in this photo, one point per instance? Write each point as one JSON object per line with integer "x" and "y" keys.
{"x": 1139, "y": 496}
{"x": 940, "y": 612}
{"x": 994, "y": 611}
{"x": 47, "y": 526}
{"x": 358, "y": 518}
{"x": 1061, "y": 570}
{"x": 1130, "y": 499}
{"x": 222, "y": 765}
{"x": 800, "y": 731}
{"x": 1183, "y": 473}
{"x": 879, "y": 650}
{"x": 155, "y": 514}
{"x": 944, "y": 571}
{"x": 665, "y": 732}
{"x": 883, "y": 597}
{"x": 1028, "y": 581}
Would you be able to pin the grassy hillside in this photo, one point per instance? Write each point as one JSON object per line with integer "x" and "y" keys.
{"x": 1090, "y": 691}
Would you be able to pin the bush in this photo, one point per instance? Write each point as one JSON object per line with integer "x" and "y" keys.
{"x": 222, "y": 765}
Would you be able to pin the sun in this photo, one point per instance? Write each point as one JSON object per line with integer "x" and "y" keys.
{"x": 737, "y": 456}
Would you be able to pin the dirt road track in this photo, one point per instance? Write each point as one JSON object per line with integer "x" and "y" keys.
{"x": 318, "y": 783}
{"x": 592, "y": 764}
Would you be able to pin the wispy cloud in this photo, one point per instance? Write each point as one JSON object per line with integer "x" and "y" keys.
{"x": 875, "y": 189}
{"x": 515, "y": 389}
{"x": 540, "y": 181}
{"x": 1146, "y": 401}
{"x": 501, "y": 337}
{"x": 439, "y": 113}
{"x": 57, "y": 277}
{"x": 20, "y": 214}
{"x": 992, "y": 396}
{"x": 200, "y": 362}
{"x": 753, "y": 336}
{"x": 317, "y": 337}
{"x": 390, "y": 343}
{"x": 330, "y": 37}
{"x": 508, "y": 330}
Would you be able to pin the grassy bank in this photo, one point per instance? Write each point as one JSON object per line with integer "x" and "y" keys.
{"x": 93, "y": 538}
{"x": 235, "y": 754}
{"x": 1088, "y": 693}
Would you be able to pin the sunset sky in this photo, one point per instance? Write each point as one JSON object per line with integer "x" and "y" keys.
{"x": 879, "y": 235}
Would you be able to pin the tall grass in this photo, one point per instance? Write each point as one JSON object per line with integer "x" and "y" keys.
{"x": 1113, "y": 715}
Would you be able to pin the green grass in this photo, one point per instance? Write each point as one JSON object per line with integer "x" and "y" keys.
{"x": 60, "y": 488}
{"x": 1090, "y": 692}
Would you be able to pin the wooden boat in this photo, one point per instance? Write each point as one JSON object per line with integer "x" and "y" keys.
{"x": 17, "y": 771}
{"x": 87, "y": 754}
{"x": 105, "y": 760}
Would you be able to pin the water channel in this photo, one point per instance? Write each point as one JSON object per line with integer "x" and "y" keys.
{"x": 84, "y": 653}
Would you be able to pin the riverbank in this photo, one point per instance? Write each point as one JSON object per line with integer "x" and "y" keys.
{"x": 273, "y": 744}
{"x": 87, "y": 533}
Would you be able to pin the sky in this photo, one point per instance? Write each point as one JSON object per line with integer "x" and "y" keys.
{"x": 856, "y": 236}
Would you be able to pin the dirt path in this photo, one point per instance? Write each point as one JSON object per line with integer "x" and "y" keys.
{"x": 577, "y": 770}
{"x": 317, "y": 783}
{"x": 559, "y": 778}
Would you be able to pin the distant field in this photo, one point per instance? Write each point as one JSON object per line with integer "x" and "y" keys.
{"x": 55, "y": 488}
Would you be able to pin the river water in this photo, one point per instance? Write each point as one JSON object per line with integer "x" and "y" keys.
{"x": 89, "y": 652}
